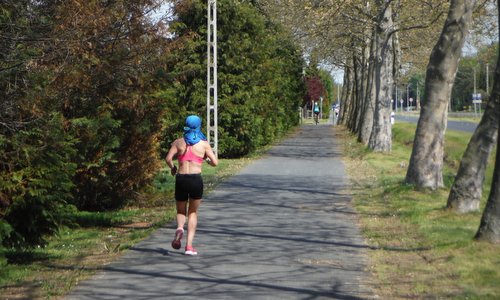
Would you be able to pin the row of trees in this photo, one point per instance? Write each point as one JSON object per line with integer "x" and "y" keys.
{"x": 474, "y": 75}
{"x": 93, "y": 92}
{"x": 365, "y": 39}
{"x": 474, "y": 71}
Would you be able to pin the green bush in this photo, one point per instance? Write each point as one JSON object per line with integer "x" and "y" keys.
{"x": 80, "y": 115}
{"x": 109, "y": 99}
{"x": 259, "y": 74}
{"x": 36, "y": 182}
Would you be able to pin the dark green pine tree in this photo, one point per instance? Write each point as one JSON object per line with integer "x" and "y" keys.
{"x": 35, "y": 150}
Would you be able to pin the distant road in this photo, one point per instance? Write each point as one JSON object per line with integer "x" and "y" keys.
{"x": 452, "y": 125}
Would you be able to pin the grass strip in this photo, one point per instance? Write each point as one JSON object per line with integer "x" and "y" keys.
{"x": 419, "y": 248}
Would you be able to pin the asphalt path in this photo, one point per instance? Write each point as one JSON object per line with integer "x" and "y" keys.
{"x": 282, "y": 228}
{"x": 452, "y": 125}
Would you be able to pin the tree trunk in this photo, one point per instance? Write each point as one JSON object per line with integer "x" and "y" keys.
{"x": 361, "y": 90}
{"x": 357, "y": 93}
{"x": 426, "y": 162}
{"x": 380, "y": 139}
{"x": 345, "y": 107}
{"x": 397, "y": 50}
{"x": 466, "y": 192}
{"x": 370, "y": 96}
{"x": 489, "y": 229}
{"x": 396, "y": 45}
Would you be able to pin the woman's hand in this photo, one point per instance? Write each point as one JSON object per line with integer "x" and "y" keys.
{"x": 173, "y": 170}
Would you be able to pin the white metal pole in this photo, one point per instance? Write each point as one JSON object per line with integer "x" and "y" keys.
{"x": 338, "y": 94}
{"x": 474, "y": 95}
{"x": 474, "y": 80}
{"x": 397, "y": 99}
{"x": 487, "y": 79}
{"x": 407, "y": 97}
{"x": 417, "y": 100}
{"x": 321, "y": 108}
{"x": 212, "y": 114}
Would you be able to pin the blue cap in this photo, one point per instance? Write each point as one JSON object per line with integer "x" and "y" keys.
{"x": 192, "y": 131}
{"x": 193, "y": 122}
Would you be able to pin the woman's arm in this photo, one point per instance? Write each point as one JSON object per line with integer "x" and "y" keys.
{"x": 170, "y": 158}
{"x": 210, "y": 155}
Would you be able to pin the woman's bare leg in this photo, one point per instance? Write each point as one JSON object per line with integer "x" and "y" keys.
{"x": 181, "y": 213}
{"x": 181, "y": 207}
{"x": 192, "y": 220}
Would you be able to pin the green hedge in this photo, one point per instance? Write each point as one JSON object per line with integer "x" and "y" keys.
{"x": 259, "y": 75}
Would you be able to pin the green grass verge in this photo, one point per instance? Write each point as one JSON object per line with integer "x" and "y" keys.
{"x": 419, "y": 248}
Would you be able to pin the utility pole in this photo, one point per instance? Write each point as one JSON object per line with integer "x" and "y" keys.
{"x": 487, "y": 79}
{"x": 408, "y": 97}
{"x": 321, "y": 108}
{"x": 338, "y": 94}
{"x": 474, "y": 96}
{"x": 397, "y": 98}
{"x": 474, "y": 80}
{"x": 417, "y": 100}
{"x": 212, "y": 115}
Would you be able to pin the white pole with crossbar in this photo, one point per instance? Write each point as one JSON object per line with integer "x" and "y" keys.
{"x": 212, "y": 131}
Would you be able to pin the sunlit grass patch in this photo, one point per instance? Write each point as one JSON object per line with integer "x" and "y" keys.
{"x": 104, "y": 219}
{"x": 420, "y": 249}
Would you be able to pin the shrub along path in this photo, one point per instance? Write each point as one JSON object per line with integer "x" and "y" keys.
{"x": 282, "y": 228}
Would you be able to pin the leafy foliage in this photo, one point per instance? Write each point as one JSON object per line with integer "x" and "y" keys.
{"x": 463, "y": 87}
{"x": 36, "y": 170}
{"x": 90, "y": 88}
{"x": 109, "y": 99}
{"x": 315, "y": 89}
{"x": 37, "y": 183}
{"x": 80, "y": 114}
{"x": 259, "y": 75}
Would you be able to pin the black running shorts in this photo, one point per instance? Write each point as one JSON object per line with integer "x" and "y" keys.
{"x": 188, "y": 186}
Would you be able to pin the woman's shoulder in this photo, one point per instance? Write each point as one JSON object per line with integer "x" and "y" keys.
{"x": 201, "y": 145}
{"x": 205, "y": 143}
{"x": 179, "y": 142}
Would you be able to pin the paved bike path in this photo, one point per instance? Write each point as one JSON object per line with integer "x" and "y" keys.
{"x": 282, "y": 228}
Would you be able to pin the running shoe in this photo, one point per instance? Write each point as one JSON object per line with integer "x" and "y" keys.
{"x": 190, "y": 251}
{"x": 176, "y": 243}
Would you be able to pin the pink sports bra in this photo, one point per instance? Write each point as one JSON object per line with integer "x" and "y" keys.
{"x": 190, "y": 156}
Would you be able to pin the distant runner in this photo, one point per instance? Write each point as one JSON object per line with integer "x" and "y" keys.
{"x": 316, "y": 112}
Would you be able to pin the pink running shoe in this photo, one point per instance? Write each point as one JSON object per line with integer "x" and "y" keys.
{"x": 190, "y": 251}
{"x": 176, "y": 243}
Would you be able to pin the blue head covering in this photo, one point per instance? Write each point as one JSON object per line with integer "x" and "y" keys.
{"x": 192, "y": 130}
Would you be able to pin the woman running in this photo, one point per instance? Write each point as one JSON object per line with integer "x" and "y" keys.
{"x": 190, "y": 150}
